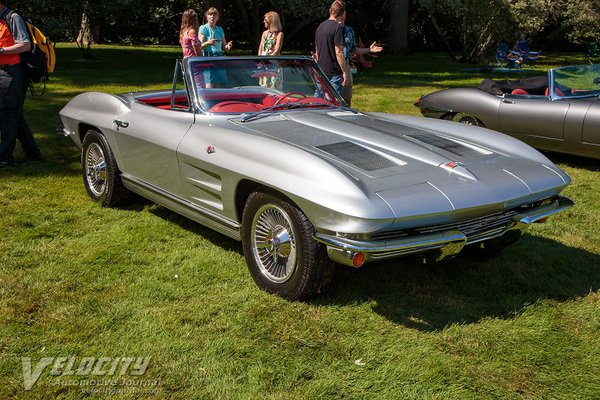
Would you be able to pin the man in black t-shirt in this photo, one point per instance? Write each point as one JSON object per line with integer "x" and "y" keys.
{"x": 329, "y": 44}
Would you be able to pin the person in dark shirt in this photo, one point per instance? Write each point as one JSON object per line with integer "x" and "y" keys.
{"x": 329, "y": 46}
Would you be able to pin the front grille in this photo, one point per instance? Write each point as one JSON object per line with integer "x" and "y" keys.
{"x": 474, "y": 229}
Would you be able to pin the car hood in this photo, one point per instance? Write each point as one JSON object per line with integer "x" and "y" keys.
{"x": 415, "y": 168}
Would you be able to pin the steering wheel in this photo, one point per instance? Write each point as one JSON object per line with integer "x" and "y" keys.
{"x": 289, "y": 94}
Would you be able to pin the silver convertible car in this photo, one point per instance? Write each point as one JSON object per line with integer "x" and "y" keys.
{"x": 263, "y": 150}
{"x": 559, "y": 112}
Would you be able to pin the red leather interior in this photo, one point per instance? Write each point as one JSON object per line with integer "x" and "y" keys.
{"x": 161, "y": 101}
{"x": 232, "y": 102}
{"x": 235, "y": 106}
{"x": 519, "y": 91}
{"x": 314, "y": 100}
{"x": 269, "y": 101}
{"x": 556, "y": 90}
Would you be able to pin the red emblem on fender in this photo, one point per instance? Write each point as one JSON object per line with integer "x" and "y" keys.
{"x": 452, "y": 164}
{"x": 210, "y": 149}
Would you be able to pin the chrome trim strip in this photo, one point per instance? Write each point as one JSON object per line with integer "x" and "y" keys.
{"x": 443, "y": 194}
{"x": 559, "y": 175}
{"x": 404, "y": 245}
{"x": 446, "y": 244}
{"x": 519, "y": 179}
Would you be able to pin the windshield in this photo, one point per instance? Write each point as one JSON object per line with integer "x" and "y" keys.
{"x": 243, "y": 85}
{"x": 577, "y": 80}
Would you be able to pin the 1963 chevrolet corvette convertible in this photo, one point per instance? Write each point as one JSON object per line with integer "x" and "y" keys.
{"x": 263, "y": 150}
{"x": 558, "y": 112}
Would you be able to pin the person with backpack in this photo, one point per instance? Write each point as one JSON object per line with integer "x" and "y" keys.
{"x": 14, "y": 40}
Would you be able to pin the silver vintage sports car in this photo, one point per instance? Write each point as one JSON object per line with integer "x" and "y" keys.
{"x": 559, "y": 112}
{"x": 264, "y": 151}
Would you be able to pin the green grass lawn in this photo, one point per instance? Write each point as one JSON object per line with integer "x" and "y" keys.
{"x": 82, "y": 281}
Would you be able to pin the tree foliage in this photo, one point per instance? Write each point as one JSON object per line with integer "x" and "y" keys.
{"x": 467, "y": 29}
{"x": 582, "y": 20}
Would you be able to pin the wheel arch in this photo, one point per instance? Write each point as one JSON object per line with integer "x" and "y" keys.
{"x": 449, "y": 102}
{"x": 83, "y": 128}
{"x": 246, "y": 187}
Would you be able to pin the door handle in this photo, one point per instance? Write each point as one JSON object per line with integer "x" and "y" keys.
{"x": 120, "y": 123}
{"x": 508, "y": 101}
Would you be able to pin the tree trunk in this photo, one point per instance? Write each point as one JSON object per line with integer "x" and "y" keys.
{"x": 84, "y": 38}
{"x": 399, "y": 27}
{"x": 289, "y": 36}
{"x": 444, "y": 39}
{"x": 250, "y": 24}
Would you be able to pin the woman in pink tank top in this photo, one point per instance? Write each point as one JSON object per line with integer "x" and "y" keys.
{"x": 188, "y": 34}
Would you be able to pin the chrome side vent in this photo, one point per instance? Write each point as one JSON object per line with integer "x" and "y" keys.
{"x": 358, "y": 156}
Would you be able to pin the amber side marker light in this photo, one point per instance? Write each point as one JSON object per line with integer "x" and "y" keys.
{"x": 358, "y": 260}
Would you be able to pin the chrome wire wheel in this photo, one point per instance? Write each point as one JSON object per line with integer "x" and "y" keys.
{"x": 95, "y": 169}
{"x": 100, "y": 172}
{"x": 466, "y": 119}
{"x": 282, "y": 255}
{"x": 273, "y": 243}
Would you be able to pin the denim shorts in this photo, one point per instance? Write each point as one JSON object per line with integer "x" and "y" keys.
{"x": 336, "y": 82}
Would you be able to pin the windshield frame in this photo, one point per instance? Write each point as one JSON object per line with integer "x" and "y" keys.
{"x": 198, "y": 98}
{"x": 557, "y": 86}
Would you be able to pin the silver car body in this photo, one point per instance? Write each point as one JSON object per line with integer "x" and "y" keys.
{"x": 563, "y": 118}
{"x": 382, "y": 184}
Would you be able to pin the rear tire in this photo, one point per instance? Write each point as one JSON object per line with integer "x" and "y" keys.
{"x": 100, "y": 172}
{"x": 282, "y": 256}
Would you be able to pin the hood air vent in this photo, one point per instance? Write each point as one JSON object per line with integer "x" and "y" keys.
{"x": 357, "y": 155}
{"x": 448, "y": 145}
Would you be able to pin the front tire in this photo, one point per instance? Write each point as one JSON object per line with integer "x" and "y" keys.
{"x": 467, "y": 119}
{"x": 100, "y": 172}
{"x": 282, "y": 256}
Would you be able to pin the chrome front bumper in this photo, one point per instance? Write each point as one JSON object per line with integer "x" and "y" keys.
{"x": 63, "y": 132}
{"x": 445, "y": 243}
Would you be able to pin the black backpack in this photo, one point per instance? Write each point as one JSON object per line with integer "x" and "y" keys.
{"x": 33, "y": 62}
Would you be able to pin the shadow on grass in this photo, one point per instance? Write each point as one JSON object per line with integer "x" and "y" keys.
{"x": 469, "y": 289}
{"x": 590, "y": 164}
{"x": 465, "y": 290}
{"x": 222, "y": 241}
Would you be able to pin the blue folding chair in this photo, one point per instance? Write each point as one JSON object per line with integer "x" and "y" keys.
{"x": 506, "y": 57}
{"x": 526, "y": 54}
